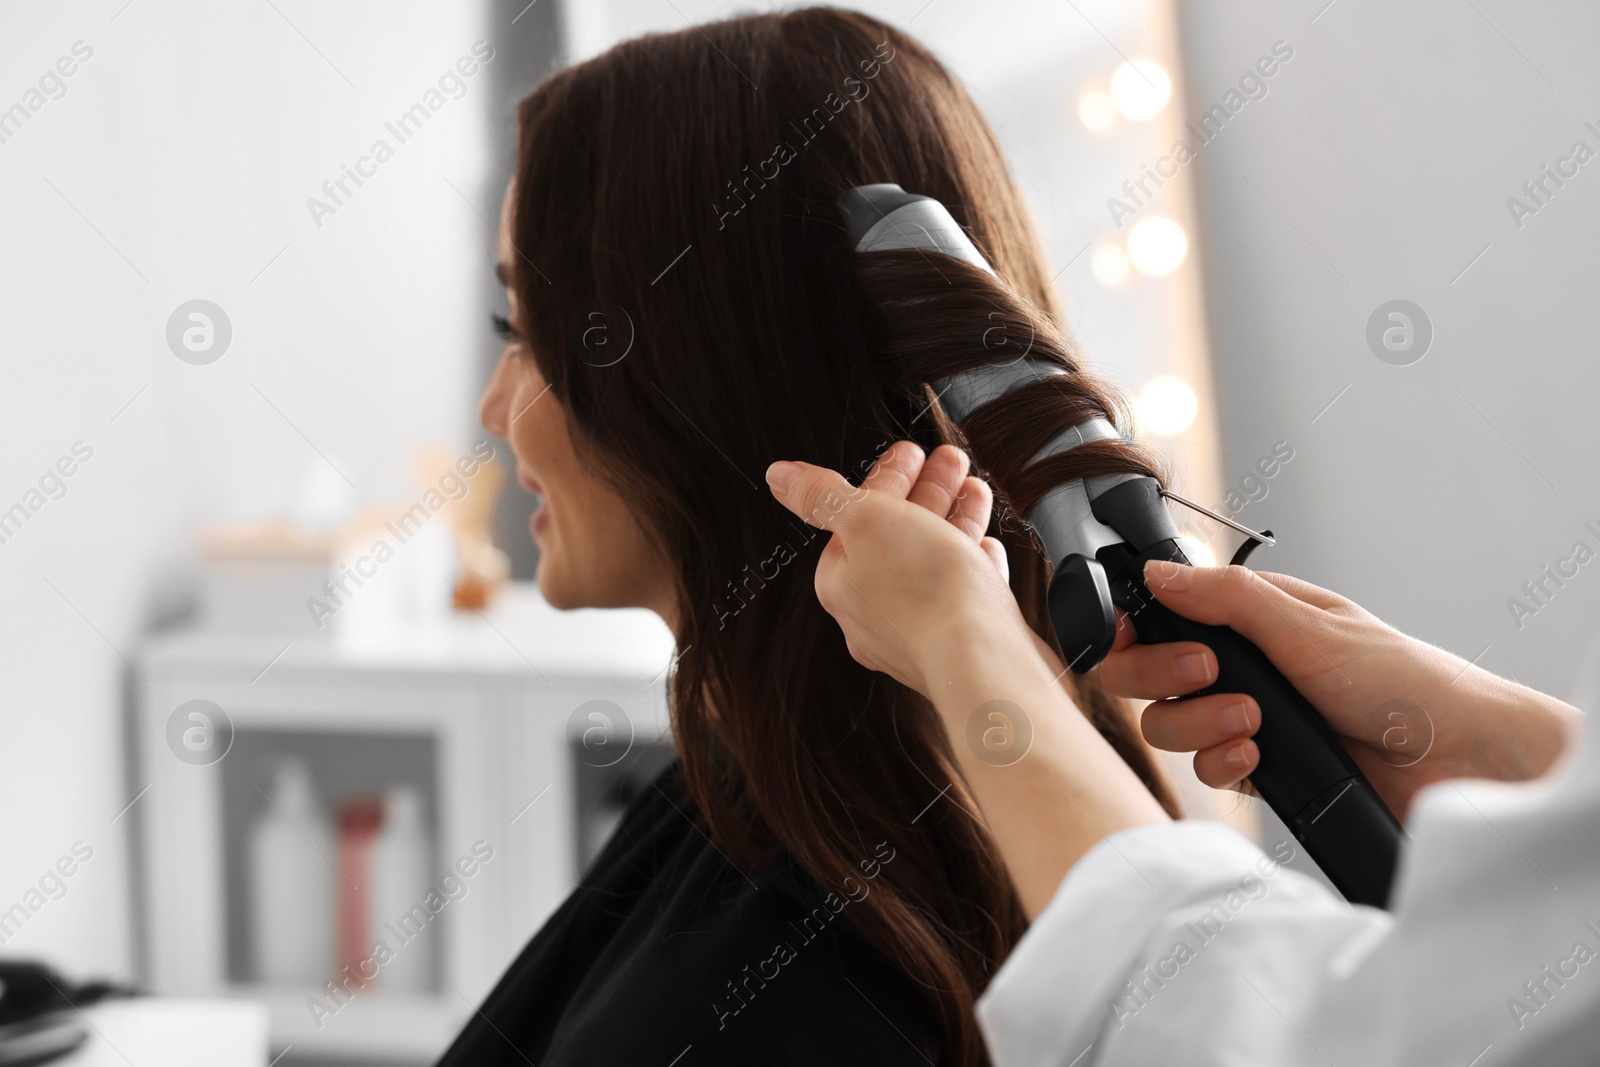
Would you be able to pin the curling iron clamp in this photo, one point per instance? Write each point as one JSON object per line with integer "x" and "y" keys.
{"x": 1099, "y": 532}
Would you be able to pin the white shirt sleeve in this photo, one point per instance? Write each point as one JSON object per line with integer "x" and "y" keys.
{"x": 1185, "y": 943}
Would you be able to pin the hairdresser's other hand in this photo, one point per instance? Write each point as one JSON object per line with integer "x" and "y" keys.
{"x": 908, "y": 573}
{"x": 1410, "y": 713}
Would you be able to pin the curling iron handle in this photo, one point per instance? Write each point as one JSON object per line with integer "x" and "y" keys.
{"x": 1305, "y": 774}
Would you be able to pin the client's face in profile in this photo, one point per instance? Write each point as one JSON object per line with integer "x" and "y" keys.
{"x": 592, "y": 551}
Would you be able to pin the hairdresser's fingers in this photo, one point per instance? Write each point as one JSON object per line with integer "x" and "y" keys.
{"x": 1126, "y": 634}
{"x": 1302, "y": 590}
{"x": 822, "y": 497}
{"x": 940, "y": 480}
{"x": 897, "y": 470}
{"x": 1199, "y": 723}
{"x": 1267, "y": 613}
{"x": 1154, "y": 672}
{"x": 997, "y": 552}
{"x": 969, "y": 512}
{"x": 1227, "y": 765}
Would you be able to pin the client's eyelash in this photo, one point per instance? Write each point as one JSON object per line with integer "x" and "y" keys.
{"x": 504, "y": 329}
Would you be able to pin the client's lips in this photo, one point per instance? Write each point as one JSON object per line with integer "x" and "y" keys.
{"x": 529, "y": 484}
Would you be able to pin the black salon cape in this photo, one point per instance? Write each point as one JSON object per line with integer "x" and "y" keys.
{"x": 634, "y": 967}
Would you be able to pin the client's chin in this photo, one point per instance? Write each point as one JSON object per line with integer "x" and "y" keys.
{"x": 554, "y": 583}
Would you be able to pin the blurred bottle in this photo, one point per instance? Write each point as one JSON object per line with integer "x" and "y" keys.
{"x": 291, "y": 920}
{"x": 356, "y": 959}
{"x": 401, "y": 862}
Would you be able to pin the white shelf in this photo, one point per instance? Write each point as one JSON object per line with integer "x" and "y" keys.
{"x": 521, "y": 634}
{"x": 493, "y": 694}
{"x": 389, "y": 1026}
{"x": 173, "y": 1033}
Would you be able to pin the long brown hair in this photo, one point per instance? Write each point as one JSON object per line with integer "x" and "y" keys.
{"x": 675, "y": 199}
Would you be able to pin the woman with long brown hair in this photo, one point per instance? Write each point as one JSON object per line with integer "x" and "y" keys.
{"x": 811, "y": 881}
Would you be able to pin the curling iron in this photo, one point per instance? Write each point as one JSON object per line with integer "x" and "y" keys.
{"x": 1099, "y": 532}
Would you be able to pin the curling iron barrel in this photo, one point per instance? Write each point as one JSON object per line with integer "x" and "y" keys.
{"x": 1099, "y": 533}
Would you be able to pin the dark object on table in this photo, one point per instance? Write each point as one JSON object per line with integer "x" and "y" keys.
{"x": 39, "y": 1019}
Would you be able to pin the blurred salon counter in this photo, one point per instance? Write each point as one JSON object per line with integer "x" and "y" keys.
{"x": 519, "y": 633}
{"x": 502, "y": 742}
{"x": 162, "y": 1032}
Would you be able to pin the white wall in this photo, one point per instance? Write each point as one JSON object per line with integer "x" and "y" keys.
{"x": 177, "y": 165}
{"x": 1388, "y": 148}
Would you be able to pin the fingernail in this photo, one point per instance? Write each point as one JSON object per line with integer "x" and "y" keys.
{"x": 1236, "y": 718}
{"x": 780, "y": 474}
{"x": 1168, "y": 575}
{"x": 1193, "y": 667}
{"x": 1236, "y": 758}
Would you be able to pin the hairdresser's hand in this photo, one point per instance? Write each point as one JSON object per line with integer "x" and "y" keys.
{"x": 1410, "y": 713}
{"x": 908, "y": 573}
{"x": 921, "y": 594}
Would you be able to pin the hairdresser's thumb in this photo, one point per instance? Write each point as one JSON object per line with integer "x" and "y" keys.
{"x": 822, "y": 497}
{"x": 1235, "y": 597}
